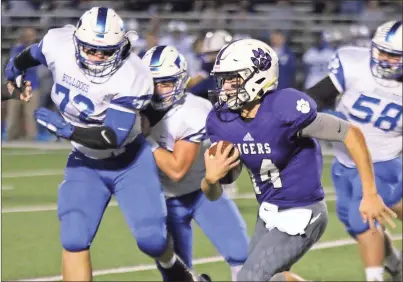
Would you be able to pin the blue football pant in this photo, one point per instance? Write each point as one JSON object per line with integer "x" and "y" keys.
{"x": 347, "y": 182}
{"x": 86, "y": 191}
{"x": 220, "y": 221}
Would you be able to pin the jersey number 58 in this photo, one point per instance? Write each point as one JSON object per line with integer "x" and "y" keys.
{"x": 386, "y": 121}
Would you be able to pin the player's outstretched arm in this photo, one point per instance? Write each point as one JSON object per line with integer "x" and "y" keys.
{"x": 177, "y": 163}
{"x": 111, "y": 135}
{"x": 331, "y": 128}
{"x": 31, "y": 56}
{"x": 372, "y": 206}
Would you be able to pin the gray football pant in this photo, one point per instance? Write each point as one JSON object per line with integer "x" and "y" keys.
{"x": 273, "y": 251}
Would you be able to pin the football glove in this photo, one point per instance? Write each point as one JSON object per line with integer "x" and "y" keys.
{"x": 54, "y": 123}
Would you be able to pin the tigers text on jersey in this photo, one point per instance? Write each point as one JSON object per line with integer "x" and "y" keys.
{"x": 285, "y": 170}
{"x": 184, "y": 121}
{"x": 84, "y": 103}
{"x": 372, "y": 104}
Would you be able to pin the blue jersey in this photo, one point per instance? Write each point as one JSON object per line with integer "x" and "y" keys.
{"x": 285, "y": 170}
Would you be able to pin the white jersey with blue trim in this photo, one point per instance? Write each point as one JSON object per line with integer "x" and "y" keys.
{"x": 185, "y": 121}
{"x": 84, "y": 103}
{"x": 372, "y": 104}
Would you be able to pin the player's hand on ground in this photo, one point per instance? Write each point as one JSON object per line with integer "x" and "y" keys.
{"x": 20, "y": 93}
{"x": 373, "y": 208}
{"x": 218, "y": 166}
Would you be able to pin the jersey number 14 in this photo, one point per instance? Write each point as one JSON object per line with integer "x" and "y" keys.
{"x": 268, "y": 172}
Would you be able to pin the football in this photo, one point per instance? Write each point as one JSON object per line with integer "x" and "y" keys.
{"x": 234, "y": 173}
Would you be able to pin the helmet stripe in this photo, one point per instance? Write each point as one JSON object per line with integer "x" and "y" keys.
{"x": 155, "y": 58}
{"x": 392, "y": 31}
{"x": 101, "y": 21}
{"x": 222, "y": 51}
{"x": 178, "y": 62}
{"x": 220, "y": 54}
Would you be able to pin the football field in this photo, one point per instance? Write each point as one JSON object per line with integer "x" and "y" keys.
{"x": 30, "y": 230}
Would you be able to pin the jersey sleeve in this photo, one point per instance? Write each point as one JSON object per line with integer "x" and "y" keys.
{"x": 54, "y": 41}
{"x": 336, "y": 73}
{"x": 346, "y": 66}
{"x": 194, "y": 129}
{"x": 137, "y": 94}
{"x": 294, "y": 109}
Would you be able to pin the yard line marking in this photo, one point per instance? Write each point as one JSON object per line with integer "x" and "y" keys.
{"x": 32, "y": 173}
{"x": 6, "y": 187}
{"x": 127, "y": 269}
{"x": 53, "y": 207}
{"x": 37, "y": 145}
{"x": 35, "y": 153}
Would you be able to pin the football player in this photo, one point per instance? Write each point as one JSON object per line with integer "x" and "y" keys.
{"x": 99, "y": 86}
{"x": 370, "y": 83}
{"x": 276, "y": 134}
{"x": 177, "y": 120}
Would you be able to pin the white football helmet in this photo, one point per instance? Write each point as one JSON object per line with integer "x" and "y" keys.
{"x": 252, "y": 60}
{"x": 100, "y": 30}
{"x": 387, "y": 40}
{"x": 167, "y": 64}
{"x": 214, "y": 41}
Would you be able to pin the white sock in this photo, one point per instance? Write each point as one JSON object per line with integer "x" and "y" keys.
{"x": 374, "y": 273}
{"x": 170, "y": 263}
{"x": 234, "y": 271}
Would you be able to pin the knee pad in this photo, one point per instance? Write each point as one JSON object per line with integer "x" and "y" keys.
{"x": 74, "y": 234}
{"x": 152, "y": 238}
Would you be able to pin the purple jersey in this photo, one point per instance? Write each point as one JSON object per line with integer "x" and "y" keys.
{"x": 285, "y": 170}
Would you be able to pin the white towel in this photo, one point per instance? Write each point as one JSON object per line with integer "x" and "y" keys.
{"x": 291, "y": 221}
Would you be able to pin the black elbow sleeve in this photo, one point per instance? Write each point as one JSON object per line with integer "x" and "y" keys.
{"x": 324, "y": 93}
{"x": 24, "y": 60}
{"x": 99, "y": 138}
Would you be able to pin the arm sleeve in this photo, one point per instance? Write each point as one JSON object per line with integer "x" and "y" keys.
{"x": 324, "y": 93}
{"x": 31, "y": 56}
{"x": 117, "y": 126}
{"x": 326, "y": 127}
{"x": 95, "y": 137}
